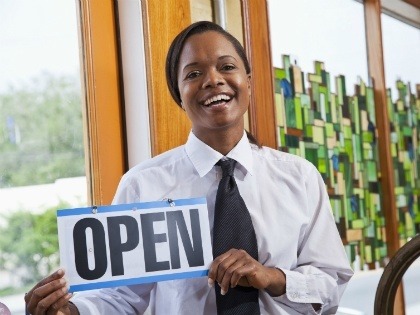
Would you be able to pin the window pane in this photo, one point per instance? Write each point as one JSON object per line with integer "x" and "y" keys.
{"x": 332, "y": 124}
{"x": 42, "y": 163}
{"x": 401, "y": 53}
{"x": 331, "y": 31}
{"x": 401, "y": 44}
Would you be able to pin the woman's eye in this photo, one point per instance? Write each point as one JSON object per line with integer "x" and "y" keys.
{"x": 228, "y": 67}
{"x": 192, "y": 75}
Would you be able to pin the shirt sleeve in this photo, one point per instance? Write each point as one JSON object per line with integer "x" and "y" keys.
{"x": 317, "y": 283}
{"x": 121, "y": 300}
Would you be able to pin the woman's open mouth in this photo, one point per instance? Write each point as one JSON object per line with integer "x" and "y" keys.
{"x": 217, "y": 100}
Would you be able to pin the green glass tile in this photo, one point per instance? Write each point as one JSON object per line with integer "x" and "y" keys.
{"x": 334, "y": 118}
{"x": 279, "y": 73}
{"x": 318, "y": 134}
{"x": 286, "y": 65}
{"x": 329, "y": 129}
{"x": 357, "y": 224}
{"x": 372, "y": 171}
{"x": 278, "y": 137}
{"x": 347, "y": 132}
{"x": 367, "y": 137}
{"x": 309, "y": 131}
{"x": 298, "y": 113}
{"x": 305, "y": 100}
{"x": 302, "y": 152}
{"x": 348, "y": 148}
{"x": 314, "y": 78}
{"x": 279, "y": 103}
{"x": 322, "y": 165}
{"x": 283, "y": 136}
{"x": 290, "y": 113}
{"x": 407, "y": 131}
{"x": 323, "y": 89}
{"x": 371, "y": 104}
{"x": 355, "y": 114}
{"x": 322, "y": 152}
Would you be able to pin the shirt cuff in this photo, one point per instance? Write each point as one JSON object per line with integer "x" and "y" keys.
{"x": 301, "y": 293}
{"x": 85, "y": 307}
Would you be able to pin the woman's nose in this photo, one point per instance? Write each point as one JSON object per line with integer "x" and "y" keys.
{"x": 213, "y": 78}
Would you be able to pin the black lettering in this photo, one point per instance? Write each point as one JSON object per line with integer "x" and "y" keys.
{"x": 150, "y": 239}
{"x": 116, "y": 247}
{"x": 194, "y": 250}
{"x": 81, "y": 251}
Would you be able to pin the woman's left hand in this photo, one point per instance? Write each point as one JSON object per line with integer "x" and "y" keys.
{"x": 237, "y": 267}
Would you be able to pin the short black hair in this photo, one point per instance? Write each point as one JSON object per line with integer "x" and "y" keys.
{"x": 174, "y": 52}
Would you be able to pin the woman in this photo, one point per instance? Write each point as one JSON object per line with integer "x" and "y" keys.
{"x": 300, "y": 265}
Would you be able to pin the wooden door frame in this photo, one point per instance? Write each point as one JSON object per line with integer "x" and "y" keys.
{"x": 102, "y": 110}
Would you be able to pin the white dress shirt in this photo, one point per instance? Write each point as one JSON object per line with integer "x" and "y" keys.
{"x": 291, "y": 213}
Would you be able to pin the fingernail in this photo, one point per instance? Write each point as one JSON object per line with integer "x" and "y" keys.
{"x": 210, "y": 282}
{"x": 62, "y": 281}
{"x": 222, "y": 292}
{"x": 60, "y": 272}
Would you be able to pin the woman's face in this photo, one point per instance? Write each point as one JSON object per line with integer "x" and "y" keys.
{"x": 213, "y": 84}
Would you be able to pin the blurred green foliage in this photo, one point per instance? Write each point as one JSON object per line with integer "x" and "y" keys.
{"x": 29, "y": 244}
{"x": 41, "y": 132}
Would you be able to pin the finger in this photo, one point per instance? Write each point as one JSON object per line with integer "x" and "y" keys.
{"x": 47, "y": 289}
{"x": 228, "y": 266}
{"x": 215, "y": 265}
{"x": 50, "y": 300}
{"x": 224, "y": 262}
{"x": 245, "y": 276}
{"x": 63, "y": 302}
{"x": 54, "y": 276}
{"x": 225, "y": 283}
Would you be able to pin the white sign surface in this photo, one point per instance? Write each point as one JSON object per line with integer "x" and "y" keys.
{"x": 135, "y": 243}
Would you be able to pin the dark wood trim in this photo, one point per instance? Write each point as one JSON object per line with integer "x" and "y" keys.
{"x": 377, "y": 73}
{"x": 257, "y": 45}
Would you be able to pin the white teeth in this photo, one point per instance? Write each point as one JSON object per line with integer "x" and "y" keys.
{"x": 216, "y": 98}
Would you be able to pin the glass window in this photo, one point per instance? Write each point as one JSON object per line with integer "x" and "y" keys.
{"x": 401, "y": 53}
{"x": 401, "y": 45}
{"x": 331, "y": 31}
{"x": 42, "y": 162}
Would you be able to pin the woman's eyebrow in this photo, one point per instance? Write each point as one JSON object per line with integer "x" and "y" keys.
{"x": 195, "y": 63}
{"x": 227, "y": 56}
{"x": 190, "y": 65}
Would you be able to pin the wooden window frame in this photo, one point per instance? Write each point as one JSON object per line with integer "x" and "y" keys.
{"x": 102, "y": 112}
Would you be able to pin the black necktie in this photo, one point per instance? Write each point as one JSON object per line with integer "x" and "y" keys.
{"x": 233, "y": 229}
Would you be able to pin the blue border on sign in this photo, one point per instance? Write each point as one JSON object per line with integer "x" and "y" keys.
{"x": 131, "y": 206}
{"x": 141, "y": 280}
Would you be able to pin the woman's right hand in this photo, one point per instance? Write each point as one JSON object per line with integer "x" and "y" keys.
{"x": 50, "y": 296}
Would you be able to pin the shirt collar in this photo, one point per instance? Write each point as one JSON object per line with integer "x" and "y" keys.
{"x": 204, "y": 157}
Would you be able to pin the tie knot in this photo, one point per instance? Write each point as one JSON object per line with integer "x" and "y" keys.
{"x": 228, "y": 166}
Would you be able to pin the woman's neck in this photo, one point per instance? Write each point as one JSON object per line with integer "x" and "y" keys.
{"x": 222, "y": 141}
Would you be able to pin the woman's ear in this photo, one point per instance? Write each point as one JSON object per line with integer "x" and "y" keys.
{"x": 249, "y": 84}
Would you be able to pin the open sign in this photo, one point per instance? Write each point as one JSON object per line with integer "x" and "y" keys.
{"x": 134, "y": 243}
